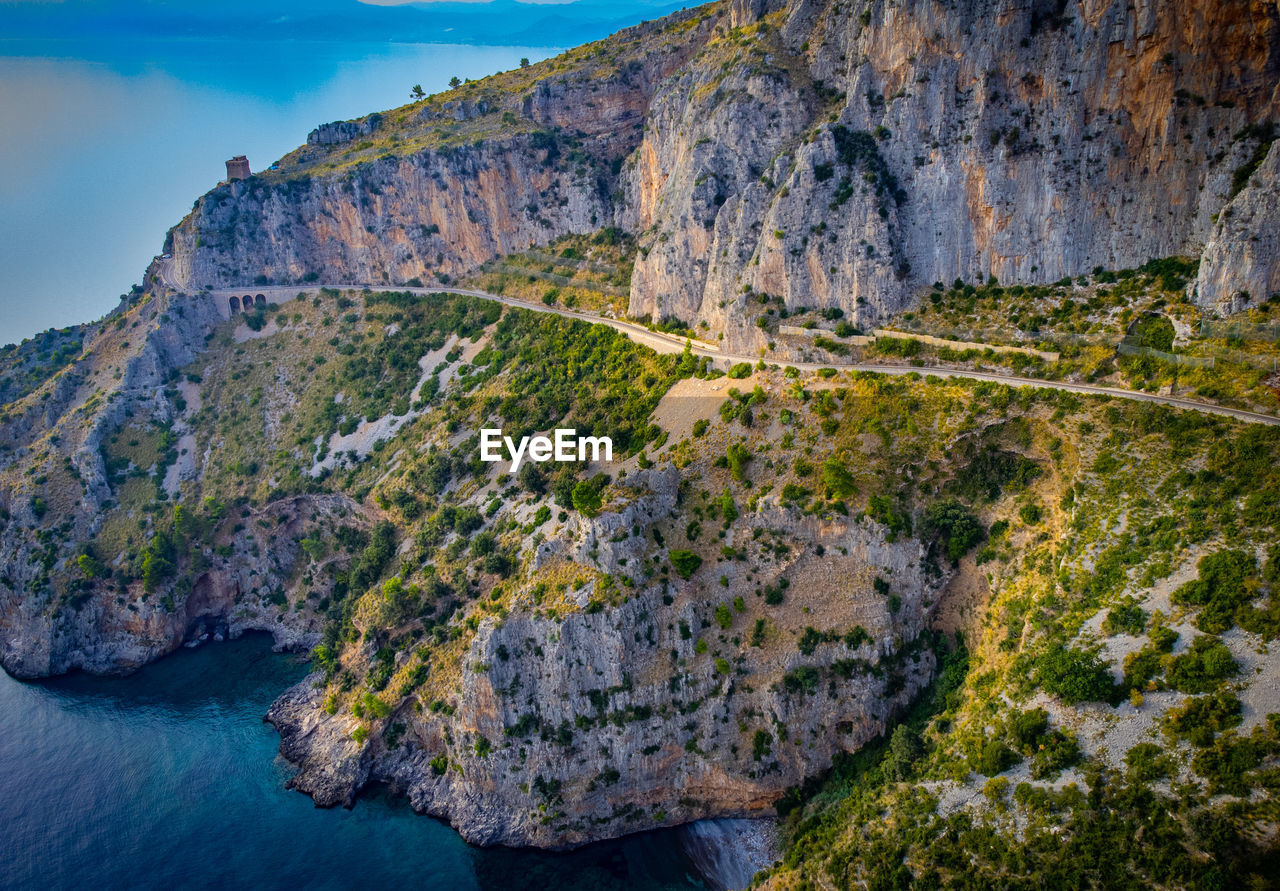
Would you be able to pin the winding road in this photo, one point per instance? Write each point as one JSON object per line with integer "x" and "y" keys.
{"x": 670, "y": 343}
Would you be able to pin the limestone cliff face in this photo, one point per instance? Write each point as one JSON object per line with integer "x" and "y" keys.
{"x": 387, "y": 221}
{"x": 1028, "y": 141}
{"x": 602, "y": 722}
{"x": 522, "y": 163}
{"x": 841, "y": 155}
{"x": 55, "y": 495}
{"x": 1241, "y": 262}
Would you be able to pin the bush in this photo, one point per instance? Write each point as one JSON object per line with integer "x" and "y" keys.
{"x": 1030, "y": 513}
{"x": 685, "y": 563}
{"x": 1203, "y": 667}
{"x": 1056, "y": 752}
{"x": 1075, "y": 676}
{"x": 993, "y": 757}
{"x": 1147, "y": 762}
{"x": 1126, "y": 617}
{"x": 1227, "y": 581}
{"x": 1226, "y": 763}
{"x": 957, "y": 529}
{"x": 803, "y": 679}
{"x": 1200, "y": 718}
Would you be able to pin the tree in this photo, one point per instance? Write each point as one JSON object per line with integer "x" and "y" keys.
{"x": 957, "y": 529}
{"x": 417, "y": 92}
{"x": 524, "y": 62}
{"x": 837, "y": 479}
{"x": 185, "y": 523}
{"x": 586, "y": 499}
{"x": 905, "y": 749}
{"x": 91, "y": 566}
{"x": 1075, "y": 676}
{"x": 454, "y": 82}
{"x": 157, "y": 562}
{"x": 728, "y": 509}
{"x": 686, "y": 563}
{"x": 738, "y": 456}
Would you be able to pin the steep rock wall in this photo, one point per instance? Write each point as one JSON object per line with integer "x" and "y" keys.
{"x": 1029, "y": 141}
{"x": 561, "y": 731}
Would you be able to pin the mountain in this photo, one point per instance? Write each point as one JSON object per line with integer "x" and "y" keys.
{"x": 954, "y": 608}
{"x": 919, "y": 132}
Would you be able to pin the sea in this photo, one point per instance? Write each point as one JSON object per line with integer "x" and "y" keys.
{"x": 169, "y": 778}
{"x": 106, "y": 143}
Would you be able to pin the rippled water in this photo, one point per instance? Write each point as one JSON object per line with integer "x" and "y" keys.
{"x": 170, "y": 778}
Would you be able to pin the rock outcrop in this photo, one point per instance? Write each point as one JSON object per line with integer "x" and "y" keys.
{"x": 343, "y": 131}
{"x": 606, "y": 721}
{"x": 1241, "y": 262}
{"x": 51, "y": 619}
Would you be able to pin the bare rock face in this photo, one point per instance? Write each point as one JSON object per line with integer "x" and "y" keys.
{"x": 1025, "y": 141}
{"x": 343, "y": 131}
{"x": 1241, "y": 262}
{"x": 616, "y": 719}
{"x": 387, "y": 221}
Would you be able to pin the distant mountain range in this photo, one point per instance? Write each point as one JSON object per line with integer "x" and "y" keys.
{"x": 500, "y": 22}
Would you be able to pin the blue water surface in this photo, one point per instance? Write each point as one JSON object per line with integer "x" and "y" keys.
{"x": 169, "y": 778}
{"x": 105, "y": 144}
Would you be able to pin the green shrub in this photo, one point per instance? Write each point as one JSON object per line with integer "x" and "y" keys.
{"x": 1227, "y": 581}
{"x": 1075, "y": 676}
{"x": 1147, "y": 762}
{"x": 1126, "y": 617}
{"x": 803, "y": 679}
{"x": 1203, "y": 667}
{"x": 1227, "y": 763}
{"x": 724, "y": 617}
{"x": 761, "y": 744}
{"x": 993, "y": 757}
{"x": 1056, "y": 752}
{"x": 1201, "y": 718}
{"x": 685, "y": 563}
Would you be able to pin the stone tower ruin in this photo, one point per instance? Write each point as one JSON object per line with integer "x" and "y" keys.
{"x": 238, "y": 168}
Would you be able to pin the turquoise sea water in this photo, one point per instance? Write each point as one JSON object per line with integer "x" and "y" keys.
{"x": 169, "y": 778}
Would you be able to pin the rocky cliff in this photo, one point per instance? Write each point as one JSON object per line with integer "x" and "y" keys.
{"x": 560, "y": 730}
{"x": 843, "y": 155}
{"x": 58, "y": 494}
